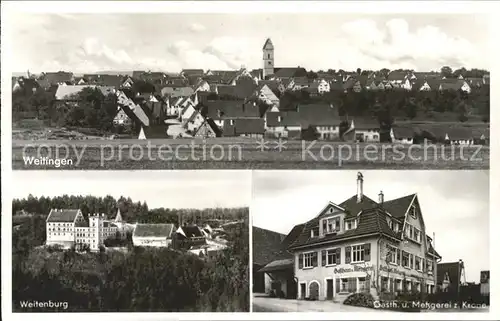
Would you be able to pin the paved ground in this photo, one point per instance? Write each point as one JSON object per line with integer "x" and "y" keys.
{"x": 265, "y": 304}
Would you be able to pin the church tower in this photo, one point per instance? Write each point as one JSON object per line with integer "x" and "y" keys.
{"x": 268, "y": 58}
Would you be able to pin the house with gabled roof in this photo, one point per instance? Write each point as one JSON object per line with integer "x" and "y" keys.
{"x": 156, "y": 235}
{"x": 402, "y": 134}
{"x": 266, "y": 245}
{"x": 397, "y": 77}
{"x": 49, "y": 79}
{"x": 265, "y": 94}
{"x": 194, "y": 122}
{"x": 208, "y": 129}
{"x": 363, "y": 245}
{"x": 323, "y": 118}
{"x": 362, "y": 129}
{"x": 277, "y": 275}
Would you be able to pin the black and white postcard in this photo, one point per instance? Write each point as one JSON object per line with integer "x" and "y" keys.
{"x": 372, "y": 241}
{"x": 244, "y": 90}
{"x": 135, "y": 242}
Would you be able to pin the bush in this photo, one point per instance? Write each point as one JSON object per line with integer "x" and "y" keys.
{"x": 360, "y": 300}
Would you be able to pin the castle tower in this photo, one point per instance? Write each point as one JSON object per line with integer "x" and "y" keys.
{"x": 268, "y": 58}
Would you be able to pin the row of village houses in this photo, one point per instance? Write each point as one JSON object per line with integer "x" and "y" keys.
{"x": 68, "y": 228}
{"x": 188, "y": 111}
{"x": 357, "y": 245}
{"x": 191, "y": 80}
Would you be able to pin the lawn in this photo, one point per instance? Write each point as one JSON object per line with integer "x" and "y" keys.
{"x": 245, "y": 153}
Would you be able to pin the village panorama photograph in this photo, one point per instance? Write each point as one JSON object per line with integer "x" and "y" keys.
{"x": 370, "y": 241}
{"x": 248, "y": 90}
{"x": 135, "y": 242}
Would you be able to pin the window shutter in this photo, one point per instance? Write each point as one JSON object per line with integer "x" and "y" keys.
{"x": 337, "y": 224}
{"x": 315, "y": 259}
{"x": 337, "y": 256}
{"x": 323, "y": 258}
{"x": 398, "y": 257}
{"x": 367, "y": 252}
{"x": 337, "y": 285}
{"x": 301, "y": 260}
{"x": 347, "y": 254}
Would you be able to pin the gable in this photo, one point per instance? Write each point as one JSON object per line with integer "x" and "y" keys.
{"x": 331, "y": 209}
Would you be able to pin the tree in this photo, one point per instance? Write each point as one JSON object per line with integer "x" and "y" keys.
{"x": 446, "y": 71}
{"x": 312, "y": 75}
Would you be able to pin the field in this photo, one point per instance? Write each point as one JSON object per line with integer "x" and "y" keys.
{"x": 244, "y": 153}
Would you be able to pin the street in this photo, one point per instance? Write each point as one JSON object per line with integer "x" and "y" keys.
{"x": 266, "y": 304}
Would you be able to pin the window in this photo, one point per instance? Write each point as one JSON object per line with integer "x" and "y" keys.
{"x": 429, "y": 266}
{"x": 358, "y": 253}
{"x": 396, "y": 226}
{"x": 268, "y": 56}
{"x": 418, "y": 263}
{"x": 405, "y": 259}
{"x": 349, "y": 225}
{"x": 413, "y": 211}
{"x": 418, "y": 235}
{"x": 362, "y": 284}
{"x": 331, "y": 257}
{"x": 399, "y": 285}
{"x": 344, "y": 285}
{"x": 391, "y": 254}
{"x": 332, "y": 225}
{"x": 309, "y": 259}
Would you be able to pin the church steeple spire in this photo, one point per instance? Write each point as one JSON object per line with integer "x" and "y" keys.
{"x": 268, "y": 58}
{"x": 118, "y": 217}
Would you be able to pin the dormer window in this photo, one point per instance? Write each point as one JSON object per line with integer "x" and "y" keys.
{"x": 350, "y": 224}
{"x": 331, "y": 225}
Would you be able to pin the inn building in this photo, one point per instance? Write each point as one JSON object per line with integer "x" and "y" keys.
{"x": 359, "y": 245}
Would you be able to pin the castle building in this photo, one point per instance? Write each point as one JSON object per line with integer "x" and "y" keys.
{"x": 68, "y": 228}
{"x": 268, "y": 58}
{"x": 359, "y": 245}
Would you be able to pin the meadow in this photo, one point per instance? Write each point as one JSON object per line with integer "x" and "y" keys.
{"x": 245, "y": 153}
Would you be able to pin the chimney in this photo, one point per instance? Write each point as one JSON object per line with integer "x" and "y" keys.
{"x": 360, "y": 187}
{"x": 381, "y": 198}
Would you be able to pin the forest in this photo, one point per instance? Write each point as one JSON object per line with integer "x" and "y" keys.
{"x": 132, "y": 212}
{"x": 140, "y": 279}
{"x": 388, "y": 105}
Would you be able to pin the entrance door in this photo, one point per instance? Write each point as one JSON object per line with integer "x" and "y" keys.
{"x": 303, "y": 291}
{"x": 329, "y": 289}
{"x": 313, "y": 291}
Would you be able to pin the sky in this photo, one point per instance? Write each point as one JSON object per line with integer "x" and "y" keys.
{"x": 169, "y": 189}
{"x": 170, "y": 42}
{"x": 455, "y": 204}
